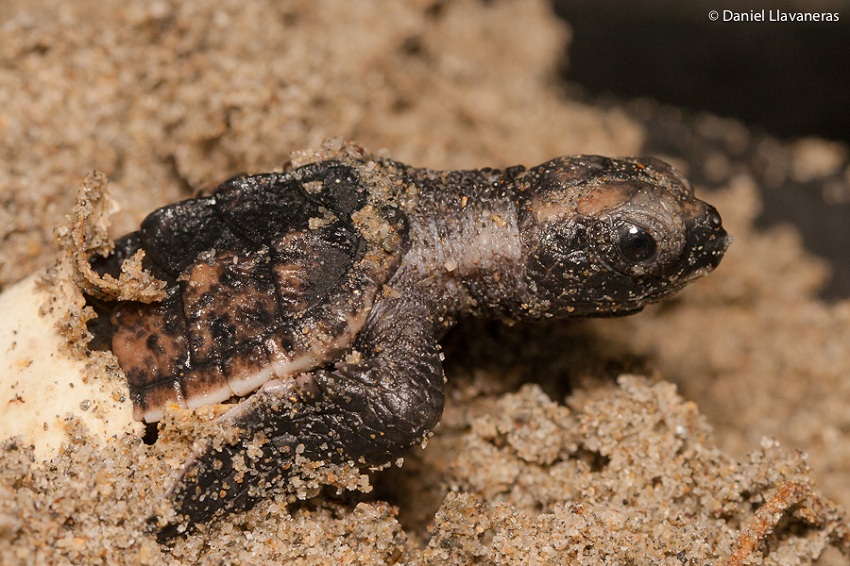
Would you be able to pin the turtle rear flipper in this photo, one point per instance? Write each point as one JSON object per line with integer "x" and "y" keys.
{"x": 367, "y": 413}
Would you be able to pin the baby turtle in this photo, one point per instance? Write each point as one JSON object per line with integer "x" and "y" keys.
{"x": 324, "y": 291}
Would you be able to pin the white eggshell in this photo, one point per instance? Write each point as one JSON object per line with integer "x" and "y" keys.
{"x": 43, "y": 384}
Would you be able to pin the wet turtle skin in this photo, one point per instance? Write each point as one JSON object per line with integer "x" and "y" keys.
{"x": 324, "y": 291}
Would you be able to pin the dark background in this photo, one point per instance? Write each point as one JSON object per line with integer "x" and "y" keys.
{"x": 784, "y": 79}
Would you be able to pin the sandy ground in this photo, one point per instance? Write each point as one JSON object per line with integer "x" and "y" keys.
{"x": 711, "y": 428}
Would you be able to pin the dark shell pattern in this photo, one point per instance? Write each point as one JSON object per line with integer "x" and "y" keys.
{"x": 266, "y": 280}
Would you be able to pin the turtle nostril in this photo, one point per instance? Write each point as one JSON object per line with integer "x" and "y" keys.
{"x": 713, "y": 217}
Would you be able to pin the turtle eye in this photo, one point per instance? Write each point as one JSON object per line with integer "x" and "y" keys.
{"x": 635, "y": 242}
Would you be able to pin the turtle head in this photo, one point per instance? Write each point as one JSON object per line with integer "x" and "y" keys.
{"x": 605, "y": 237}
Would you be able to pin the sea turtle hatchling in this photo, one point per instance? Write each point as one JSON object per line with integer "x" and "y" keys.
{"x": 321, "y": 293}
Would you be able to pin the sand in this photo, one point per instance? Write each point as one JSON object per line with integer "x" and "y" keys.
{"x": 711, "y": 428}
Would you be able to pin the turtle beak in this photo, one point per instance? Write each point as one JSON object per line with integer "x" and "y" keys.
{"x": 723, "y": 243}
{"x": 707, "y": 239}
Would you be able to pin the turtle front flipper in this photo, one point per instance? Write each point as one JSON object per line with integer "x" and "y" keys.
{"x": 368, "y": 412}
